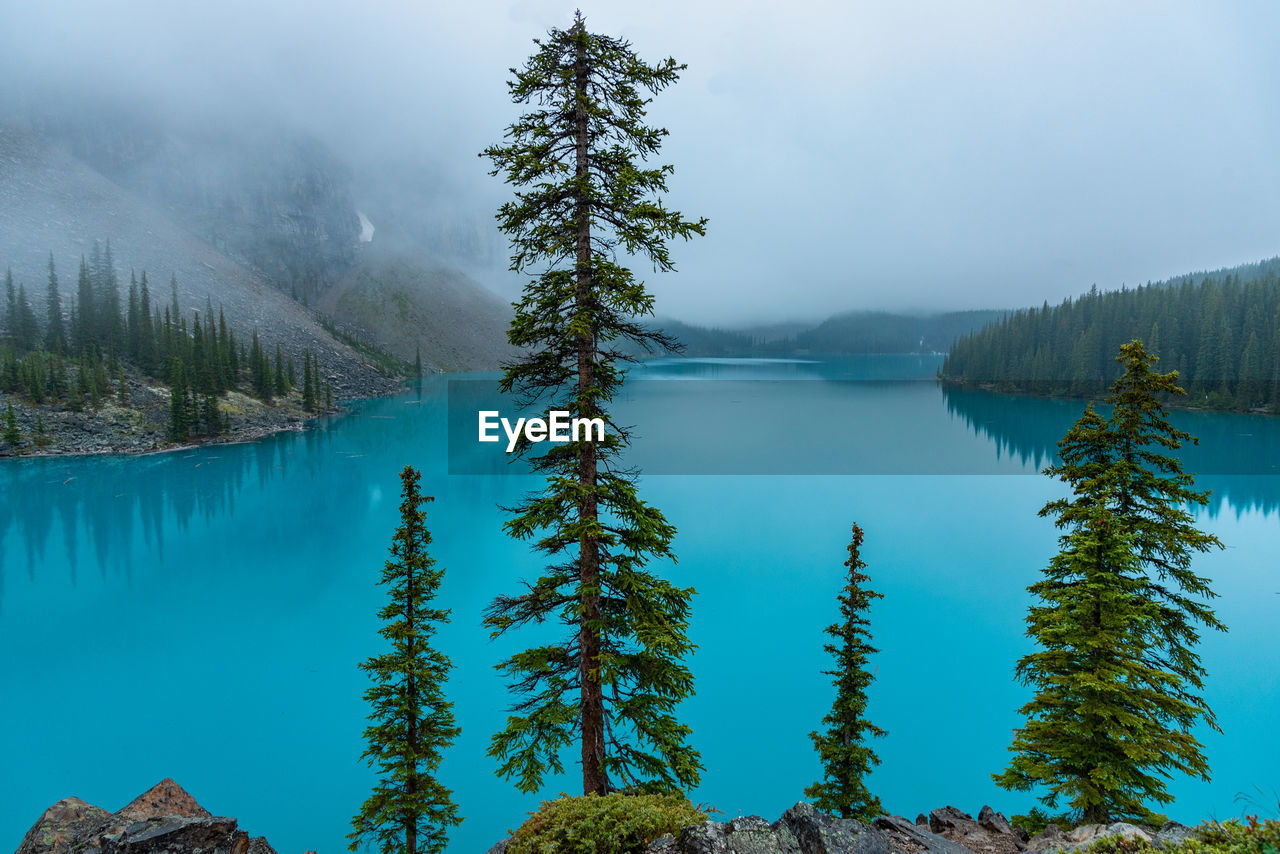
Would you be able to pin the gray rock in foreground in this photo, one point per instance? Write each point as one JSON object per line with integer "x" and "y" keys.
{"x": 804, "y": 830}
{"x": 162, "y": 820}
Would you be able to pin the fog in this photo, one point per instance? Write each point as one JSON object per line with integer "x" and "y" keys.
{"x": 926, "y": 155}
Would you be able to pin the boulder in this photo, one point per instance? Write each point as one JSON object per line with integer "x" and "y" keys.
{"x": 178, "y": 835}
{"x": 165, "y": 798}
{"x": 1172, "y": 834}
{"x": 1056, "y": 841}
{"x": 61, "y": 826}
{"x": 948, "y": 819}
{"x": 991, "y": 833}
{"x": 908, "y": 838}
{"x": 259, "y": 845}
{"x": 162, "y": 820}
{"x": 819, "y": 833}
{"x": 744, "y": 835}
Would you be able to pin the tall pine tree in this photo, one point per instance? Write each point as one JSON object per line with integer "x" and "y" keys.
{"x": 411, "y": 721}
{"x": 1118, "y": 681}
{"x": 846, "y": 757}
{"x": 583, "y": 194}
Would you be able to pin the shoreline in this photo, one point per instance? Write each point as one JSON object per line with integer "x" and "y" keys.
{"x": 993, "y": 388}
{"x": 287, "y": 418}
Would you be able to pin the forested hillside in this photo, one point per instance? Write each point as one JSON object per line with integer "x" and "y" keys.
{"x": 111, "y": 356}
{"x": 848, "y": 333}
{"x": 1219, "y": 330}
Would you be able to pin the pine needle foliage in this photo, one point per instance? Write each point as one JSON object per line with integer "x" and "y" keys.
{"x": 583, "y": 194}
{"x": 411, "y": 721}
{"x": 846, "y": 757}
{"x": 1118, "y": 681}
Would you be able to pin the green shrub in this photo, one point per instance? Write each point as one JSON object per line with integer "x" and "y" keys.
{"x": 1227, "y": 837}
{"x": 610, "y": 824}
{"x": 1235, "y": 837}
{"x": 1036, "y": 820}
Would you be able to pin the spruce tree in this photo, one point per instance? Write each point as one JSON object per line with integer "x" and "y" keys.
{"x": 26, "y": 329}
{"x": 846, "y": 757}
{"x": 583, "y": 195}
{"x": 179, "y": 420}
{"x": 11, "y": 433}
{"x": 55, "y": 336}
{"x": 308, "y": 384}
{"x": 411, "y": 721}
{"x": 1118, "y": 682}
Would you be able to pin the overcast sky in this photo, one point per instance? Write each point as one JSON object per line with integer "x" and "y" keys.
{"x": 900, "y": 155}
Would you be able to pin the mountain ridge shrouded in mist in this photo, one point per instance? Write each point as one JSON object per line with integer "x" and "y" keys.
{"x": 225, "y": 209}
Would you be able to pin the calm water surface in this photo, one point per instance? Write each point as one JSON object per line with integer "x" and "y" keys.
{"x": 201, "y": 614}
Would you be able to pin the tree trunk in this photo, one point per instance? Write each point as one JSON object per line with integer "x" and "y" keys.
{"x": 411, "y": 723}
{"x": 594, "y": 778}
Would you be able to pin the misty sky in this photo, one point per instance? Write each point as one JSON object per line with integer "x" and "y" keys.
{"x": 900, "y": 155}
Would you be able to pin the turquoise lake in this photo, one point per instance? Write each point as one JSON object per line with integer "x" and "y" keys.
{"x": 200, "y": 614}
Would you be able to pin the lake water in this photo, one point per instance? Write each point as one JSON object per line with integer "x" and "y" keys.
{"x": 201, "y": 614}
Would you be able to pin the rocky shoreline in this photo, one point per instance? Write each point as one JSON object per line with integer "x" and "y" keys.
{"x": 141, "y": 426}
{"x": 948, "y": 830}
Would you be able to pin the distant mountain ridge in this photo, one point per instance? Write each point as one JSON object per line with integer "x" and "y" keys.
{"x": 847, "y": 333}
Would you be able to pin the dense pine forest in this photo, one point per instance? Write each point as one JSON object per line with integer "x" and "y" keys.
{"x": 92, "y": 346}
{"x": 1219, "y": 330}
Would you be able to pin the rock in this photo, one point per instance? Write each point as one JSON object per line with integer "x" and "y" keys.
{"x": 819, "y": 833}
{"x": 753, "y": 835}
{"x": 61, "y": 826}
{"x": 163, "y": 799}
{"x": 1085, "y": 832}
{"x": 162, "y": 820}
{"x": 177, "y": 835}
{"x": 664, "y": 844}
{"x": 1173, "y": 834}
{"x": 1124, "y": 830}
{"x": 259, "y": 845}
{"x": 948, "y": 818}
{"x": 1056, "y": 841}
{"x": 922, "y": 819}
{"x": 499, "y": 848}
{"x": 990, "y": 834}
{"x": 908, "y": 838}
{"x": 705, "y": 838}
{"x": 994, "y": 821}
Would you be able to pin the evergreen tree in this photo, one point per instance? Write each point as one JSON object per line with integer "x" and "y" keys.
{"x": 279, "y": 381}
{"x": 846, "y": 757}
{"x": 26, "y": 329}
{"x": 582, "y": 195}
{"x": 148, "y": 354}
{"x": 11, "y": 306}
{"x": 11, "y": 433}
{"x": 1118, "y": 680}
{"x": 417, "y": 362}
{"x": 55, "y": 335}
{"x": 411, "y": 721}
{"x": 308, "y": 384}
{"x": 179, "y": 406}
{"x": 83, "y": 324}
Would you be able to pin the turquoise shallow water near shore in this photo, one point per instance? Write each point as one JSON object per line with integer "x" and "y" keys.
{"x": 200, "y": 614}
